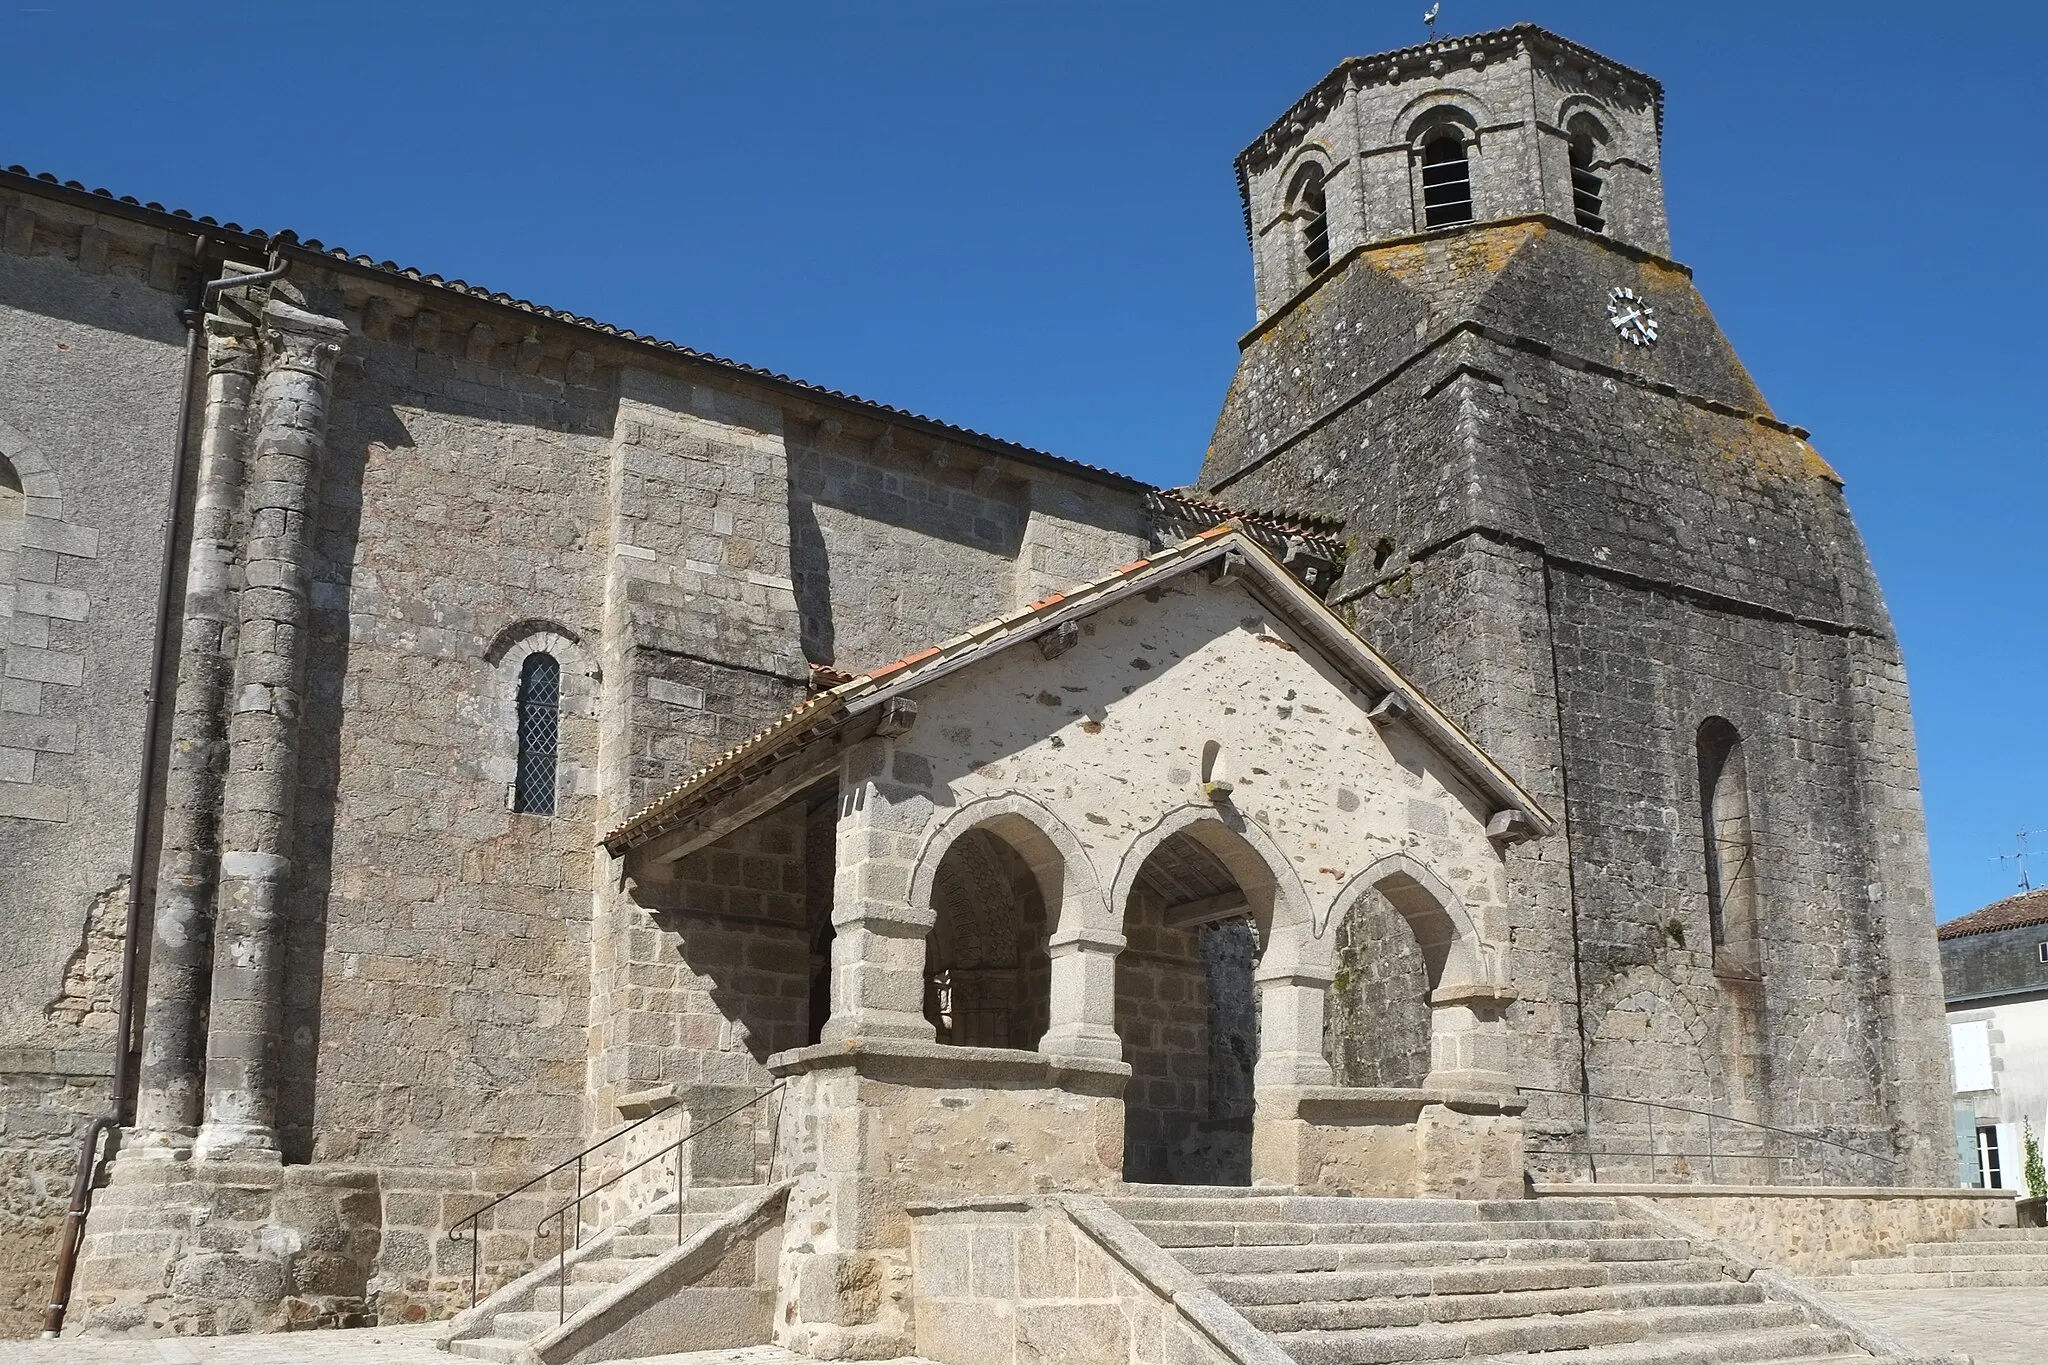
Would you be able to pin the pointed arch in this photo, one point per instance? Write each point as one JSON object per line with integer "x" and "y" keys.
{"x": 1452, "y": 949}
{"x": 1056, "y": 857}
{"x": 1280, "y": 906}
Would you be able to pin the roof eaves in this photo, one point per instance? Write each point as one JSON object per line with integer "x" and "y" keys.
{"x": 1321, "y": 96}
{"x": 289, "y": 243}
{"x": 869, "y": 690}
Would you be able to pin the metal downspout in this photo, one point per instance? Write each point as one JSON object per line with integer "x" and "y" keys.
{"x": 72, "y": 1234}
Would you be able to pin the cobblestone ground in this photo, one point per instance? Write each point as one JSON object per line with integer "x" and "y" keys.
{"x": 365, "y": 1346}
{"x": 1995, "y": 1326}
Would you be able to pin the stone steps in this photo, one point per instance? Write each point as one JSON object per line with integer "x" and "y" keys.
{"x": 1982, "y": 1258}
{"x": 1475, "y": 1308}
{"x": 526, "y": 1311}
{"x": 1781, "y": 1346}
{"x": 1339, "y": 1281}
{"x": 1360, "y": 1255}
{"x": 1275, "y": 1233}
{"x": 1533, "y": 1335}
{"x": 1267, "y": 1287}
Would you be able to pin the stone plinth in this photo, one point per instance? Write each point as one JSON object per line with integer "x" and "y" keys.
{"x": 1026, "y": 1281}
{"x": 870, "y": 1125}
{"x": 1389, "y": 1142}
{"x": 215, "y": 1247}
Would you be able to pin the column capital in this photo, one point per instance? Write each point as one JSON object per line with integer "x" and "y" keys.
{"x": 295, "y": 339}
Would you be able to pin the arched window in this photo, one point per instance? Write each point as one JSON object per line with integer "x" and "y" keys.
{"x": 1446, "y": 181}
{"x": 540, "y": 722}
{"x": 1730, "y": 847}
{"x": 1589, "y": 187}
{"x": 1312, "y": 213}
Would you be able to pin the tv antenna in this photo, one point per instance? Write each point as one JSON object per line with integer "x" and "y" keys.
{"x": 2019, "y": 855}
{"x": 1429, "y": 18}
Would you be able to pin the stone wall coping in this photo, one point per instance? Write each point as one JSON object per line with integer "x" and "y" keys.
{"x": 1204, "y": 1310}
{"x": 1348, "y": 1104}
{"x": 591, "y": 1332}
{"x": 904, "y": 1061}
{"x": 1549, "y": 1191}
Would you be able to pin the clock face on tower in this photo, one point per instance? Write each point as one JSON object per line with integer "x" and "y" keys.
{"x": 1631, "y": 316}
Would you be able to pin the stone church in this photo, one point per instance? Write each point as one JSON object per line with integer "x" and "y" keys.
{"x": 514, "y": 820}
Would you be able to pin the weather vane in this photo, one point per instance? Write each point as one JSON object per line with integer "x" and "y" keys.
{"x": 1429, "y": 18}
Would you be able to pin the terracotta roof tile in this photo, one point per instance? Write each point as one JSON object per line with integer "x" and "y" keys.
{"x": 798, "y": 726}
{"x": 2014, "y": 912}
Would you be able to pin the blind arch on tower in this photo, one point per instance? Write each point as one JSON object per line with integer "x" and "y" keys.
{"x": 1729, "y": 842}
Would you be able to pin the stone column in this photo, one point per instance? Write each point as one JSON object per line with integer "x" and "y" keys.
{"x": 181, "y": 940}
{"x": 878, "y": 953}
{"x": 1291, "y": 1000}
{"x": 300, "y": 349}
{"x": 1083, "y": 1010}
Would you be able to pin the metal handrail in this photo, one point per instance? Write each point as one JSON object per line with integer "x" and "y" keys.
{"x": 1713, "y": 1153}
{"x": 562, "y": 1210}
{"x": 472, "y": 1221}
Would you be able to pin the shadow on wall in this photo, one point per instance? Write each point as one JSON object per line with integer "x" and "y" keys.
{"x": 891, "y": 551}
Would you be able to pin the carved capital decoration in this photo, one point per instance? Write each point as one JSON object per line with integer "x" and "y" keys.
{"x": 297, "y": 340}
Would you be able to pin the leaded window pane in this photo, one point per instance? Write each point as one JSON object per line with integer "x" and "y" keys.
{"x": 539, "y": 721}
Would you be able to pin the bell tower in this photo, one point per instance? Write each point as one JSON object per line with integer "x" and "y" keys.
{"x": 1571, "y": 516}
{"x": 1503, "y": 125}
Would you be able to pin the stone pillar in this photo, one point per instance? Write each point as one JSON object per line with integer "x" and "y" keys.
{"x": 878, "y": 954}
{"x": 1291, "y": 1026}
{"x": 181, "y": 941}
{"x": 300, "y": 349}
{"x": 1468, "y": 1038}
{"x": 1083, "y": 1010}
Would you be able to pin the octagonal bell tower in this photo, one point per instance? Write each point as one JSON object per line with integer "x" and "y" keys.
{"x": 1496, "y": 126}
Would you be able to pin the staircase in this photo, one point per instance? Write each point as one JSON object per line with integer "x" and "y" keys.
{"x": 727, "y": 1309}
{"x": 1338, "y": 1281}
{"x": 1982, "y": 1258}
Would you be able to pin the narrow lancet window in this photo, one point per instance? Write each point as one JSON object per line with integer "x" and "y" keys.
{"x": 1589, "y": 187}
{"x": 1446, "y": 181}
{"x": 1730, "y": 848}
{"x": 540, "y": 722}
{"x": 1311, "y": 211}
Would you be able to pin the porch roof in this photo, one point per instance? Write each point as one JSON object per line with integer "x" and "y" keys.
{"x": 860, "y": 701}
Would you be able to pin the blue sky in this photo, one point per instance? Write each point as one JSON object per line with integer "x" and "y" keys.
{"x": 1021, "y": 217}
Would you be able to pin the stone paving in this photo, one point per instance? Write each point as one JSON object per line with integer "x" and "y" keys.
{"x": 2007, "y": 1326}
{"x": 365, "y": 1346}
